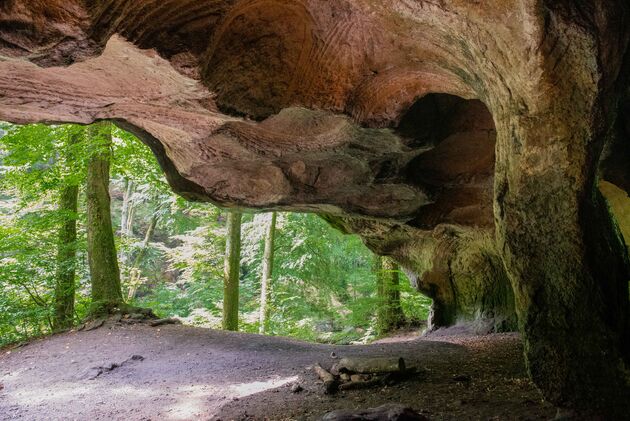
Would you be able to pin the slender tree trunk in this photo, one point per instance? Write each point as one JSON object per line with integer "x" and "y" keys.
{"x": 381, "y": 314}
{"x": 104, "y": 271}
{"x": 389, "y": 314}
{"x": 232, "y": 271}
{"x": 267, "y": 273}
{"x": 134, "y": 280}
{"x": 66, "y": 259}
{"x": 131, "y": 212}
{"x": 124, "y": 218}
{"x": 395, "y": 315}
{"x": 125, "y": 207}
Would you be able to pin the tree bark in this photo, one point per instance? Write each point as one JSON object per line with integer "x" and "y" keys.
{"x": 66, "y": 259}
{"x": 102, "y": 258}
{"x": 267, "y": 273}
{"x": 231, "y": 272}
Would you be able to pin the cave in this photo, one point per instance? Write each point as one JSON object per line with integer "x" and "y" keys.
{"x": 457, "y": 168}
{"x": 466, "y": 141}
{"x": 455, "y": 261}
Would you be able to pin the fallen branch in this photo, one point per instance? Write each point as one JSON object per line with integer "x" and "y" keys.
{"x": 330, "y": 382}
{"x": 364, "y": 373}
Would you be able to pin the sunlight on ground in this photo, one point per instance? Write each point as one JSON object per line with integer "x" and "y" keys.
{"x": 245, "y": 389}
{"x": 192, "y": 402}
{"x": 183, "y": 403}
{"x": 35, "y": 396}
{"x": 195, "y": 401}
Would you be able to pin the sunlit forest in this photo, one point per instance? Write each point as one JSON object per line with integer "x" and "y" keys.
{"x": 171, "y": 252}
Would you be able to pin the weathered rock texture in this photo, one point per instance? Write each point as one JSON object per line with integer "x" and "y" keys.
{"x": 465, "y": 139}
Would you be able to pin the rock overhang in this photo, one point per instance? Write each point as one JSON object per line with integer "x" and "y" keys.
{"x": 306, "y": 104}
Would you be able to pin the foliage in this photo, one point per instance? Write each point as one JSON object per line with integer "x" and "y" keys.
{"x": 323, "y": 284}
{"x": 34, "y": 166}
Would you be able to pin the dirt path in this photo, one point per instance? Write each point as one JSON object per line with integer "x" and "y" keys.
{"x": 188, "y": 373}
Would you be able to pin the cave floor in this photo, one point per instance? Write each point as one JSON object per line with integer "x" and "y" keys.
{"x": 192, "y": 373}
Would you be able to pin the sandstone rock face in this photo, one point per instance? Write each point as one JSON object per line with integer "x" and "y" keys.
{"x": 464, "y": 139}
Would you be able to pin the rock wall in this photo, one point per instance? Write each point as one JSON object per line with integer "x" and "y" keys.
{"x": 466, "y": 140}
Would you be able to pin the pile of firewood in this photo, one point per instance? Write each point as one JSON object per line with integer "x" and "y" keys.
{"x": 363, "y": 373}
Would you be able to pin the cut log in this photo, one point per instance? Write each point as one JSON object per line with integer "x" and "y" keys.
{"x": 330, "y": 382}
{"x": 365, "y": 365}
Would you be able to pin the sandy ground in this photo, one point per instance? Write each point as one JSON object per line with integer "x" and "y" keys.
{"x": 188, "y": 373}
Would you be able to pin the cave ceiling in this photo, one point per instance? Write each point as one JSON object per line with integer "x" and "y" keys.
{"x": 385, "y": 110}
{"x": 358, "y": 108}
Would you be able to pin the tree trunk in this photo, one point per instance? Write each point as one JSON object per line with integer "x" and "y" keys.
{"x": 389, "y": 315}
{"x": 124, "y": 214}
{"x": 131, "y": 212}
{"x": 124, "y": 218}
{"x": 104, "y": 271}
{"x": 377, "y": 267}
{"x": 231, "y": 273}
{"x": 66, "y": 259}
{"x": 395, "y": 316}
{"x": 134, "y": 279}
{"x": 267, "y": 273}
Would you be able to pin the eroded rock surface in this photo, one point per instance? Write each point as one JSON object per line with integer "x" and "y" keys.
{"x": 463, "y": 139}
